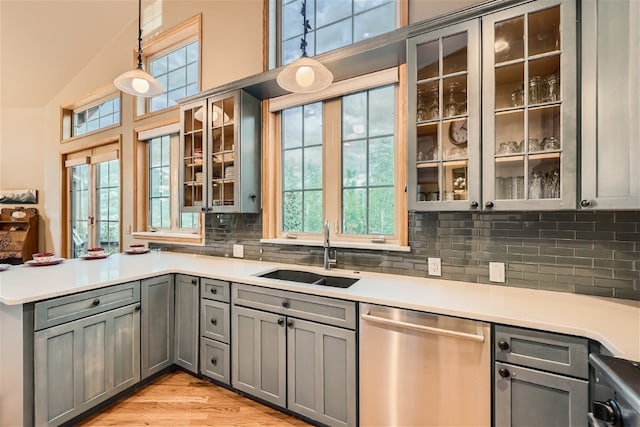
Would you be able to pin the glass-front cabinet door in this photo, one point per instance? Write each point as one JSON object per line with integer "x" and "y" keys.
{"x": 222, "y": 156}
{"x": 443, "y": 86}
{"x": 194, "y": 169}
{"x": 529, "y": 106}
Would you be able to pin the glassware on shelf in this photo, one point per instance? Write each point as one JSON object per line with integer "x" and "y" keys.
{"x": 552, "y": 185}
{"x": 535, "y": 185}
{"x": 422, "y": 109}
{"x": 553, "y": 88}
{"x": 536, "y": 90}
{"x": 517, "y": 97}
{"x": 433, "y": 112}
{"x": 451, "y": 107}
{"x": 534, "y": 144}
{"x": 551, "y": 143}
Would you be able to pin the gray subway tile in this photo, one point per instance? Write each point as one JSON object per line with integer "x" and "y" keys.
{"x": 593, "y": 290}
{"x": 559, "y": 287}
{"x": 614, "y": 283}
{"x": 627, "y": 294}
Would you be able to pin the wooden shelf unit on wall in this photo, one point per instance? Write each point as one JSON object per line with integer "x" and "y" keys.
{"x": 18, "y": 234}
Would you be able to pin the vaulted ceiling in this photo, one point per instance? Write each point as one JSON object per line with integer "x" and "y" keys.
{"x": 45, "y": 43}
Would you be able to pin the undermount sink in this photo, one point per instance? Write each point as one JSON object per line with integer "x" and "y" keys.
{"x": 309, "y": 277}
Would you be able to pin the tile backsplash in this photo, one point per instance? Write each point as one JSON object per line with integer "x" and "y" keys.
{"x": 595, "y": 253}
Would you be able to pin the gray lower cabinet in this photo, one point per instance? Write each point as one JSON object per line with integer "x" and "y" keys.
{"x": 303, "y": 365}
{"x": 157, "y": 323}
{"x": 84, "y": 362}
{"x": 540, "y": 378}
{"x": 186, "y": 338}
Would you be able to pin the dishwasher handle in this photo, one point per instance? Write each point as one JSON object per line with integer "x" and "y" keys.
{"x": 426, "y": 329}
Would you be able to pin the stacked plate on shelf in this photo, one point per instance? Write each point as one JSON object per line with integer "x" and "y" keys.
{"x": 228, "y": 172}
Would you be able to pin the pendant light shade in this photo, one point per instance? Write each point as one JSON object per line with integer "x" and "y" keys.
{"x": 138, "y": 82}
{"x": 304, "y": 75}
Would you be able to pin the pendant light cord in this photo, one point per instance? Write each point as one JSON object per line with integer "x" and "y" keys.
{"x": 140, "y": 34}
{"x": 306, "y": 27}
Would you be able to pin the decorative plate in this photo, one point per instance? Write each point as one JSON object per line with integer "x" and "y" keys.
{"x": 89, "y": 256}
{"x": 42, "y": 264}
{"x": 132, "y": 252}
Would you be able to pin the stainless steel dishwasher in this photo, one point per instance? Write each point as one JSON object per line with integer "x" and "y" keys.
{"x": 421, "y": 369}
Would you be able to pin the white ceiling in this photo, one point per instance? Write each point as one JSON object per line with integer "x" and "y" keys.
{"x": 45, "y": 43}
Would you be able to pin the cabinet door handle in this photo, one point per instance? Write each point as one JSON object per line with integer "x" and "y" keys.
{"x": 285, "y": 303}
{"x": 96, "y": 302}
{"x": 214, "y": 321}
{"x": 474, "y": 205}
{"x": 214, "y": 291}
{"x": 585, "y": 203}
{"x": 488, "y": 205}
{"x": 290, "y": 323}
{"x": 214, "y": 361}
{"x": 281, "y": 322}
{"x": 503, "y": 345}
{"x": 504, "y": 373}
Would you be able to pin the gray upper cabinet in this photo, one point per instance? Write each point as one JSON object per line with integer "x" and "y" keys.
{"x": 186, "y": 327}
{"x": 610, "y": 104}
{"x": 157, "y": 323}
{"x": 529, "y": 105}
{"x": 84, "y": 362}
{"x": 220, "y": 152}
{"x": 443, "y": 131}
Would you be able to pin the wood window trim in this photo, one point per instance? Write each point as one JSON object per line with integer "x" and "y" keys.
{"x": 171, "y": 39}
{"x": 88, "y": 100}
{"x": 141, "y": 185}
{"x": 106, "y": 149}
{"x": 271, "y": 178}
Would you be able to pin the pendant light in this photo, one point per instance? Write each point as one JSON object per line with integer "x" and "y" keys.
{"x": 138, "y": 82}
{"x": 304, "y": 75}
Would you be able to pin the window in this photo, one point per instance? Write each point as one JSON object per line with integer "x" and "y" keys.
{"x": 173, "y": 58}
{"x": 159, "y": 153}
{"x": 338, "y": 160}
{"x": 100, "y": 116}
{"x": 93, "y": 183}
{"x": 178, "y": 72}
{"x": 334, "y": 24}
{"x": 159, "y": 217}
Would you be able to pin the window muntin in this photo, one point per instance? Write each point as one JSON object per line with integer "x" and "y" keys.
{"x": 334, "y": 24}
{"x": 96, "y": 117}
{"x": 302, "y": 168}
{"x": 178, "y": 72}
{"x": 368, "y": 162}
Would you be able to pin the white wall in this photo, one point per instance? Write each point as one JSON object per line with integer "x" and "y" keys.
{"x": 231, "y": 50}
{"x": 419, "y": 10}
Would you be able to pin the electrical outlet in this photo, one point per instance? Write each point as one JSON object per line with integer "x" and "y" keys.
{"x": 238, "y": 251}
{"x": 434, "y": 267}
{"x": 496, "y": 272}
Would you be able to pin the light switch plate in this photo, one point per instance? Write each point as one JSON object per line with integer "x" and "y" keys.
{"x": 238, "y": 251}
{"x": 435, "y": 267}
{"x": 496, "y": 272}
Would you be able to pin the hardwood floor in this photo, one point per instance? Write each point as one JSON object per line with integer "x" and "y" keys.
{"x": 179, "y": 399}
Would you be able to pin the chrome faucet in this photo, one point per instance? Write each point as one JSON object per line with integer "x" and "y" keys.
{"x": 328, "y": 261}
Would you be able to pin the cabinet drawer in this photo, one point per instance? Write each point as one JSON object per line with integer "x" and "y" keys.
{"x": 72, "y": 307}
{"x": 214, "y": 320}
{"x": 215, "y": 289}
{"x": 215, "y": 360}
{"x": 319, "y": 309}
{"x": 562, "y": 354}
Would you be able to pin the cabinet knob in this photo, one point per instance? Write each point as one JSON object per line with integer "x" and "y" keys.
{"x": 253, "y": 197}
{"x": 290, "y": 323}
{"x": 474, "y": 205}
{"x": 214, "y": 361}
{"x": 214, "y": 321}
{"x": 488, "y": 205}
{"x": 285, "y": 303}
{"x": 281, "y": 322}
{"x": 585, "y": 203}
{"x": 138, "y": 307}
{"x": 214, "y": 291}
{"x": 96, "y": 302}
{"x": 504, "y": 373}
{"x": 503, "y": 345}
{"x": 203, "y": 209}
{"x": 194, "y": 281}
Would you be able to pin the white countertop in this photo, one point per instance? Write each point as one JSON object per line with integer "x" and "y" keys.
{"x": 614, "y": 323}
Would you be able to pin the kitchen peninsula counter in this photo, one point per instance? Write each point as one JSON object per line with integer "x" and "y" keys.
{"x": 614, "y": 323}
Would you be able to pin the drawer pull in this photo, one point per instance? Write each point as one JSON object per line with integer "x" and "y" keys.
{"x": 281, "y": 322}
{"x": 503, "y": 345}
{"x": 285, "y": 303}
{"x": 504, "y": 373}
{"x": 214, "y": 291}
{"x": 214, "y": 361}
{"x": 96, "y": 302}
{"x": 214, "y": 321}
{"x": 194, "y": 281}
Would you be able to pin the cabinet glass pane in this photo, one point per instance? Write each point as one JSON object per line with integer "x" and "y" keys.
{"x": 454, "y": 53}
{"x": 544, "y": 80}
{"x": 509, "y": 40}
{"x": 509, "y": 83}
{"x": 455, "y": 180}
{"x": 428, "y": 56}
{"x": 510, "y": 178}
{"x": 427, "y": 142}
{"x": 193, "y": 144}
{"x": 428, "y": 101}
{"x": 544, "y": 129}
{"x": 509, "y": 132}
{"x": 544, "y": 176}
{"x": 544, "y": 31}
{"x": 222, "y": 193}
{"x": 428, "y": 188}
